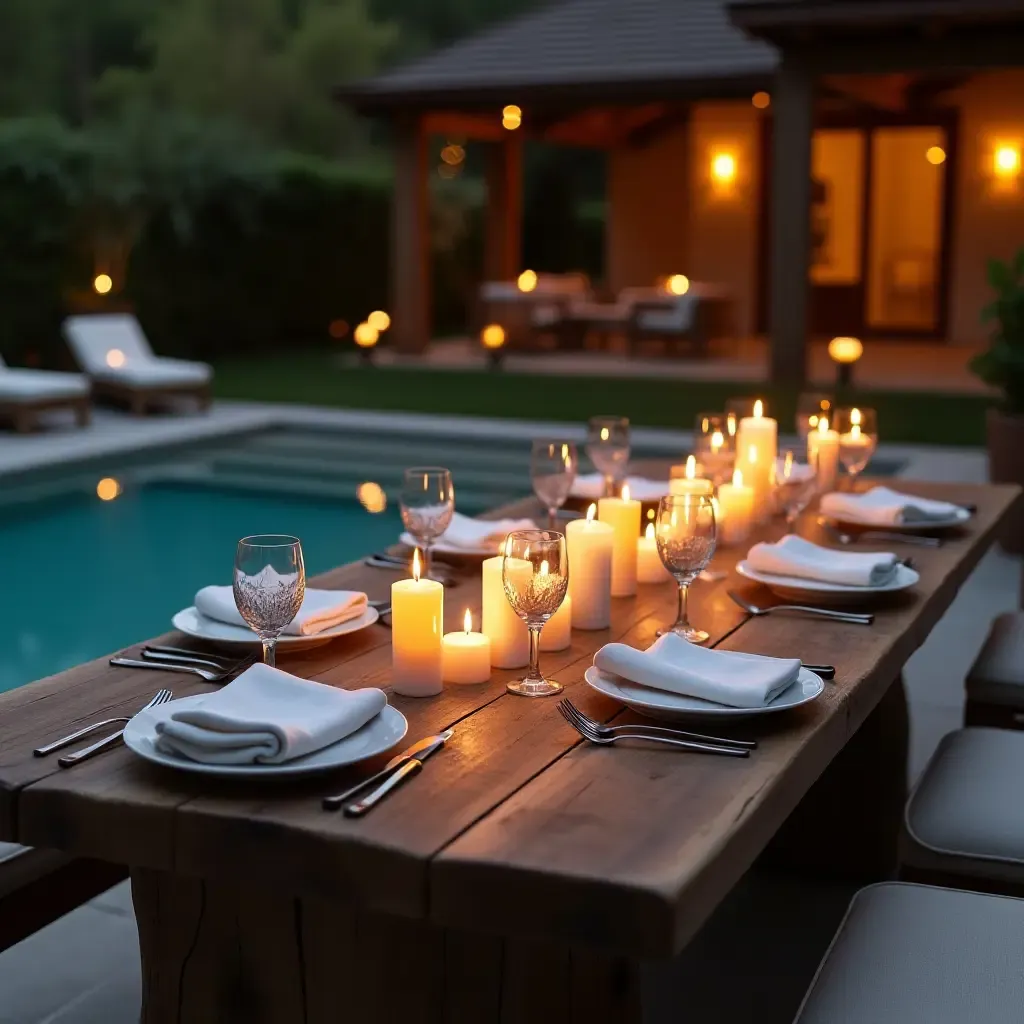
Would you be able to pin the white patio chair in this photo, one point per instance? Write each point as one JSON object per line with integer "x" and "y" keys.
{"x": 112, "y": 349}
{"x": 24, "y": 393}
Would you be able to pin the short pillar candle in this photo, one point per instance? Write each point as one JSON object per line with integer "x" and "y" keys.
{"x": 823, "y": 454}
{"x": 467, "y": 655}
{"x": 735, "y": 510}
{"x": 417, "y": 619}
{"x": 623, "y": 516}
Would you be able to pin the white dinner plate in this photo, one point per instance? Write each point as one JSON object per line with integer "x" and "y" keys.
{"x": 960, "y": 517}
{"x": 381, "y": 733}
{"x": 192, "y": 622}
{"x": 673, "y": 707}
{"x": 439, "y": 547}
{"x": 828, "y": 593}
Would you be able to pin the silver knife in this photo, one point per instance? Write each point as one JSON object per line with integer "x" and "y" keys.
{"x": 420, "y": 750}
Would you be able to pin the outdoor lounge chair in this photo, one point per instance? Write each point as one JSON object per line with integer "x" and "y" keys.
{"x": 114, "y": 352}
{"x": 705, "y": 312}
{"x": 26, "y": 393}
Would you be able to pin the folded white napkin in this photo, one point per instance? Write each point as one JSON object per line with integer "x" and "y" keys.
{"x": 591, "y": 485}
{"x": 726, "y": 677}
{"x": 883, "y": 507}
{"x": 321, "y": 609}
{"x": 266, "y": 716}
{"x": 794, "y": 556}
{"x": 479, "y": 534}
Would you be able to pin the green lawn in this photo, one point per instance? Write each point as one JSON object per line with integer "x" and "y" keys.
{"x": 318, "y": 379}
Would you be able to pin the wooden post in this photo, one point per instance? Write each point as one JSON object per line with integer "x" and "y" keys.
{"x": 503, "y": 244}
{"x": 793, "y": 106}
{"x": 410, "y": 240}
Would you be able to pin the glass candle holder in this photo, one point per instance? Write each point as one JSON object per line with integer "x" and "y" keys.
{"x": 858, "y": 438}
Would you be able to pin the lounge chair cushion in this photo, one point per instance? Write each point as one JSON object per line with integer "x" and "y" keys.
{"x": 997, "y": 675}
{"x": 908, "y": 953}
{"x": 965, "y": 816}
{"x": 158, "y": 372}
{"x": 675, "y": 319}
{"x": 23, "y": 385}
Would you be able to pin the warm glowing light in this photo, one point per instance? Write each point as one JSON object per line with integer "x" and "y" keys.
{"x": 812, "y": 420}
{"x": 625, "y": 492}
{"x": 677, "y": 284}
{"x": 591, "y": 512}
{"x": 787, "y": 465}
{"x": 855, "y": 417}
{"x": 761, "y": 100}
{"x": 723, "y": 168}
{"x": 649, "y": 532}
{"x": 935, "y": 155}
{"x": 758, "y": 409}
{"x": 605, "y": 434}
{"x": 511, "y": 117}
{"x": 691, "y": 468}
{"x": 717, "y": 440}
{"x": 453, "y": 154}
{"x": 379, "y": 320}
{"x": 855, "y": 432}
{"x": 108, "y": 489}
{"x": 115, "y": 358}
{"x": 416, "y": 565}
{"x": 752, "y": 454}
{"x": 651, "y": 513}
{"x": 737, "y": 478}
{"x": 543, "y": 570}
{"x": 366, "y": 335}
{"x": 845, "y": 350}
{"x": 467, "y": 622}
{"x": 527, "y": 281}
{"x": 823, "y": 426}
{"x": 102, "y": 283}
{"x": 1006, "y": 161}
{"x": 372, "y": 497}
{"x": 730, "y": 424}
{"x": 493, "y": 336}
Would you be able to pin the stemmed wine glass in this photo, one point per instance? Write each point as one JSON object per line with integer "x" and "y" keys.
{"x": 553, "y": 466}
{"x": 810, "y": 408}
{"x": 858, "y": 438}
{"x": 796, "y": 482}
{"x": 535, "y": 573}
{"x": 608, "y": 448}
{"x": 685, "y": 533}
{"x": 269, "y": 585}
{"x": 428, "y": 504}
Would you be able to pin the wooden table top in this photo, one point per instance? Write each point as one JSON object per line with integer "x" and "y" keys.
{"x": 517, "y": 826}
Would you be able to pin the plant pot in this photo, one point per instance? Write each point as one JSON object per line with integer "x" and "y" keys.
{"x": 1006, "y": 466}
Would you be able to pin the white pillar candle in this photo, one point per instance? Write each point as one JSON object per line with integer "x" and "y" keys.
{"x": 736, "y": 510}
{"x": 466, "y": 655}
{"x": 510, "y": 639}
{"x": 623, "y": 516}
{"x": 823, "y": 453}
{"x": 649, "y": 567}
{"x": 417, "y": 619}
{"x": 757, "y": 444}
{"x": 687, "y": 481}
{"x": 557, "y": 632}
{"x": 589, "y": 546}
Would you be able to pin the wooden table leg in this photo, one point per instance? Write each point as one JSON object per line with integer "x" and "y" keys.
{"x": 231, "y": 954}
{"x": 848, "y": 825}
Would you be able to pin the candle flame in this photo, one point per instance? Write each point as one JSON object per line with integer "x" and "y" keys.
{"x": 787, "y": 465}
{"x": 730, "y": 424}
{"x": 758, "y": 409}
{"x": 704, "y": 425}
{"x": 604, "y": 433}
{"x": 752, "y": 454}
{"x": 855, "y": 417}
{"x": 416, "y": 565}
{"x": 625, "y": 492}
{"x": 543, "y": 570}
{"x": 691, "y": 468}
{"x": 565, "y": 451}
{"x": 716, "y": 509}
{"x": 823, "y": 426}
{"x": 717, "y": 440}
{"x": 467, "y": 622}
{"x": 737, "y": 478}
{"x": 855, "y": 431}
{"x": 649, "y": 533}
{"x": 591, "y": 512}
{"x": 812, "y": 420}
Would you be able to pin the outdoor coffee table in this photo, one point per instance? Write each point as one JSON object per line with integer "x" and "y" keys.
{"x": 523, "y": 876}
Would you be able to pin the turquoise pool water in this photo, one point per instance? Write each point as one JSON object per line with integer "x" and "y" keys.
{"x": 87, "y": 576}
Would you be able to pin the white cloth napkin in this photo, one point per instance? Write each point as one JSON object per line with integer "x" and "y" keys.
{"x": 591, "y": 485}
{"x": 321, "y": 609}
{"x": 726, "y": 677}
{"x": 479, "y": 534}
{"x": 266, "y": 716}
{"x": 794, "y": 556}
{"x": 883, "y": 507}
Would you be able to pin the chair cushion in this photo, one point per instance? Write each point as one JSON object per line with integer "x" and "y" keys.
{"x": 675, "y": 318}
{"x": 966, "y": 815}
{"x": 913, "y": 953}
{"x": 18, "y": 385}
{"x": 157, "y": 372}
{"x": 92, "y": 338}
{"x": 997, "y": 675}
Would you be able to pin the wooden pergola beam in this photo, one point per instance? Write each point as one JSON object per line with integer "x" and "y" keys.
{"x": 410, "y": 239}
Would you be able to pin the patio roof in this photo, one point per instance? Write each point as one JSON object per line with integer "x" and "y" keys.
{"x": 590, "y": 50}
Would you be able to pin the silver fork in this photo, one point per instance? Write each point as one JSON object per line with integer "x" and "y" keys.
{"x": 890, "y": 538}
{"x": 858, "y": 618}
{"x": 613, "y": 730}
{"x": 167, "y": 656}
{"x": 210, "y": 675}
{"x": 162, "y": 697}
{"x": 701, "y": 748}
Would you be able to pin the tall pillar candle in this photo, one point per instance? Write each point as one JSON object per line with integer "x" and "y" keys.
{"x": 757, "y": 444}
{"x": 510, "y": 639}
{"x": 557, "y": 632}
{"x": 417, "y": 621}
{"x": 823, "y": 454}
{"x": 623, "y": 516}
{"x": 589, "y": 545}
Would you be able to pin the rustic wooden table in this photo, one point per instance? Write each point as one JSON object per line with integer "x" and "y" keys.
{"x": 523, "y": 876}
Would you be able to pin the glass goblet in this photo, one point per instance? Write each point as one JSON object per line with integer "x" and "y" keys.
{"x": 858, "y": 438}
{"x": 796, "y": 482}
{"x": 685, "y": 533}
{"x": 810, "y": 408}
{"x": 714, "y": 445}
{"x": 269, "y": 585}
{"x": 553, "y": 466}
{"x": 427, "y": 503}
{"x": 535, "y": 574}
{"x": 608, "y": 447}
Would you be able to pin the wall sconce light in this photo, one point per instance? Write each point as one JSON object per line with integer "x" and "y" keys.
{"x": 511, "y": 117}
{"x": 723, "y": 171}
{"x": 761, "y": 100}
{"x": 935, "y": 155}
{"x": 1006, "y": 162}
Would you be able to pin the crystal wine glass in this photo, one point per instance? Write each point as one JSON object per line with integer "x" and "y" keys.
{"x": 714, "y": 445}
{"x": 428, "y": 504}
{"x": 685, "y": 534}
{"x": 810, "y": 408}
{"x": 858, "y": 438}
{"x": 796, "y": 481}
{"x": 535, "y": 573}
{"x": 269, "y": 585}
{"x": 553, "y": 466}
{"x": 608, "y": 448}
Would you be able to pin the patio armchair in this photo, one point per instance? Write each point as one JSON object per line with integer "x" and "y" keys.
{"x": 703, "y": 313}
{"x": 112, "y": 349}
{"x": 25, "y": 393}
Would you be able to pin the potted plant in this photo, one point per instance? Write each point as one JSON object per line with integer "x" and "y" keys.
{"x": 1002, "y": 366}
